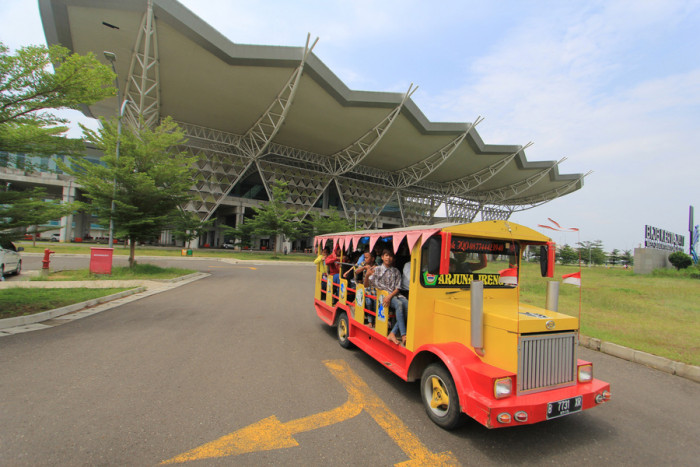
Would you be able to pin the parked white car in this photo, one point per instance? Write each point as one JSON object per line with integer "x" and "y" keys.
{"x": 10, "y": 259}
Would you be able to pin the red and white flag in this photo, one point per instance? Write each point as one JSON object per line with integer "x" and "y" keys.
{"x": 574, "y": 279}
{"x": 509, "y": 276}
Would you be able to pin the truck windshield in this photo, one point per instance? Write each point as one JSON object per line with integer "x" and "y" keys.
{"x": 468, "y": 255}
{"x": 493, "y": 262}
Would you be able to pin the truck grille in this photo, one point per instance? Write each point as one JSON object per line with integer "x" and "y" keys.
{"x": 546, "y": 361}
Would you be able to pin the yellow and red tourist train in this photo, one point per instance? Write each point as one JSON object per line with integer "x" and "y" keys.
{"x": 476, "y": 348}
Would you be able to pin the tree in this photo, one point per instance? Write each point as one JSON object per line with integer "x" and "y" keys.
{"x": 680, "y": 260}
{"x": 152, "y": 177}
{"x": 614, "y": 256}
{"x": 331, "y": 222}
{"x": 20, "y": 210}
{"x": 187, "y": 226}
{"x": 628, "y": 257}
{"x": 29, "y": 89}
{"x": 592, "y": 252}
{"x": 567, "y": 255}
{"x": 244, "y": 234}
{"x": 274, "y": 218}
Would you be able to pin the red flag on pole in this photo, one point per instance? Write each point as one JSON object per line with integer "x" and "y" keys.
{"x": 573, "y": 279}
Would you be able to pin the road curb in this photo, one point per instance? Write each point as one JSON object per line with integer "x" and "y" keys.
{"x": 683, "y": 370}
{"x": 8, "y": 323}
{"x": 56, "y": 312}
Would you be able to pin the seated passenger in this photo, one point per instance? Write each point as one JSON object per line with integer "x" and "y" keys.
{"x": 333, "y": 267}
{"x": 321, "y": 259}
{"x": 405, "y": 279}
{"x": 458, "y": 266}
{"x": 386, "y": 277}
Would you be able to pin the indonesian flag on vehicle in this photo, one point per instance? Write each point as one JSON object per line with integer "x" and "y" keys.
{"x": 509, "y": 276}
{"x": 574, "y": 279}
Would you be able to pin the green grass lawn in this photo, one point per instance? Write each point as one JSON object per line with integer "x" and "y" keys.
{"x": 139, "y": 271}
{"x": 121, "y": 250}
{"x": 656, "y": 314}
{"x": 21, "y": 302}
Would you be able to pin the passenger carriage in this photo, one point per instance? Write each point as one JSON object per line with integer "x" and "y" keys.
{"x": 476, "y": 349}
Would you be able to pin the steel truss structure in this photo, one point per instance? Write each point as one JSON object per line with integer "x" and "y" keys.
{"x": 373, "y": 197}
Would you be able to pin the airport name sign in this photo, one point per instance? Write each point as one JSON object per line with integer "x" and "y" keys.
{"x": 661, "y": 239}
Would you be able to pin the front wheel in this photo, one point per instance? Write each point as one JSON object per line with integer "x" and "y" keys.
{"x": 440, "y": 397}
{"x": 18, "y": 270}
{"x": 344, "y": 331}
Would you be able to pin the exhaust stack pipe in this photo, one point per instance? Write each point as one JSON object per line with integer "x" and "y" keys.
{"x": 552, "y": 303}
{"x": 477, "y": 316}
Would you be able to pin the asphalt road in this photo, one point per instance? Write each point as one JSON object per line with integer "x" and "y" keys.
{"x": 152, "y": 379}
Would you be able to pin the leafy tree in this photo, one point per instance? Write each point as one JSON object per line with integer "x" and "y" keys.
{"x": 680, "y": 260}
{"x": 567, "y": 255}
{"x": 592, "y": 252}
{"x": 29, "y": 89}
{"x": 330, "y": 222}
{"x": 628, "y": 257}
{"x": 20, "y": 210}
{"x": 275, "y": 218}
{"x": 187, "y": 226}
{"x": 152, "y": 178}
{"x": 244, "y": 233}
{"x": 614, "y": 256}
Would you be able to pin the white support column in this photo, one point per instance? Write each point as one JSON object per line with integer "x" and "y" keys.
{"x": 143, "y": 81}
{"x": 68, "y": 196}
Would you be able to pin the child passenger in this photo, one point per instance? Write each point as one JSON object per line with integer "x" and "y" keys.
{"x": 386, "y": 277}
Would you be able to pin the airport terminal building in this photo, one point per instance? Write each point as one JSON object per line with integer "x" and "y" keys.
{"x": 264, "y": 113}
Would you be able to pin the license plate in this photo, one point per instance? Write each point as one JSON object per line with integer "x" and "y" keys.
{"x": 564, "y": 407}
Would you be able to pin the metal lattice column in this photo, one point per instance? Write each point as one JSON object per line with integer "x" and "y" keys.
{"x": 345, "y": 159}
{"x": 466, "y": 184}
{"x": 500, "y": 195}
{"x": 143, "y": 81}
{"x": 261, "y": 133}
{"x": 418, "y": 171}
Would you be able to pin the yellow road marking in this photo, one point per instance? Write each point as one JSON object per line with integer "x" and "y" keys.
{"x": 270, "y": 433}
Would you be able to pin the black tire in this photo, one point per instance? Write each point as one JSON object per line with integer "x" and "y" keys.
{"x": 440, "y": 399}
{"x": 18, "y": 270}
{"x": 343, "y": 330}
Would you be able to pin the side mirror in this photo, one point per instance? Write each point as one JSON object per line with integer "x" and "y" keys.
{"x": 21, "y": 248}
{"x": 547, "y": 259}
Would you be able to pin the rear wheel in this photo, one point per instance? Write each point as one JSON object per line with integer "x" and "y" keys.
{"x": 344, "y": 330}
{"x": 440, "y": 398}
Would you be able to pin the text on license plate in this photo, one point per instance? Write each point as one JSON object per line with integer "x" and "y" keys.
{"x": 564, "y": 407}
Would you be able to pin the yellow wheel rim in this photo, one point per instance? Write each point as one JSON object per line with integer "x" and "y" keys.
{"x": 440, "y": 398}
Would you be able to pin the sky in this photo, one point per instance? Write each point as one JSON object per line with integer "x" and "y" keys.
{"x": 613, "y": 86}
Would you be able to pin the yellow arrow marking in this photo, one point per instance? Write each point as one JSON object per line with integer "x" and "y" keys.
{"x": 270, "y": 433}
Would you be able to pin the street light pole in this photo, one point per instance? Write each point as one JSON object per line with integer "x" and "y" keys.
{"x": 112, "y": 58}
